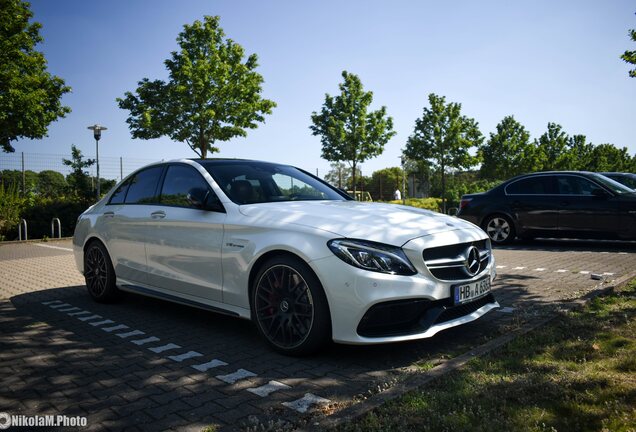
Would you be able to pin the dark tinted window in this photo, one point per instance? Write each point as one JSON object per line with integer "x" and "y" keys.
{"x": 180, "y": 179}
{"x": 120, "y": 194}
{"x": 540, "y": 185}
{"x": 143, "y": 186}
{"x": 575, "y": 185}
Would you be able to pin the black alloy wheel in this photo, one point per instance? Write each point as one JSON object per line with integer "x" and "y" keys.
{"x": 289, "y": 306}
{"x": 99, "y": 273}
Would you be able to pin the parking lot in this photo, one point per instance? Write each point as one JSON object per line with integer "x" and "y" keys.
{"x": 148, "y": 364}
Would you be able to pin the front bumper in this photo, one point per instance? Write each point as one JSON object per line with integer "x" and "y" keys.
{"x": 352, "y": 293}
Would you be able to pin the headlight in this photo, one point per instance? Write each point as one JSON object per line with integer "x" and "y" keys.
{"x": 372, "y": 256}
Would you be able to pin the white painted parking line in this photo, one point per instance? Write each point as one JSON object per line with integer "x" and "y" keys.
{"x": 145, "y": 341}
{"x": 53, "y": 247}
{"x": 501, "y": 266}
{"x": 539, "y": 269}
{"x": 181, "y": 357}
{"x": 163, "y": 348}
{"x": 50, "y": 302}
{"x": 78, "y": 313}
{"x": 303, "y": 404}
{"x": 88, "y": 318}
{"x": 130, "y": 334}
{"x": 57, "y": 306}
{"x": 506, "y": 310}
{"x": 608, "y": 274}
{"x": 584, "y": 272}
{"x": 69, "y": 309}
{"x": 623, "y": 253}
{"x": 209, "y": 365}
{"x": 519, "y": 268}
{"x": 98, "y": 323}
{"x": 236, "y": 376}
{"x": 117, "y": 327}
{"x": 561, "y": 271}
{"x": 268, "y": 388}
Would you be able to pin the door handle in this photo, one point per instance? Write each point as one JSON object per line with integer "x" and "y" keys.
{"x": 158, "y": 214}
{"x": 109, "y": 214}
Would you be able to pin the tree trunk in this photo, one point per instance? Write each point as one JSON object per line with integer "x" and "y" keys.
{"x": 353, "y": 178}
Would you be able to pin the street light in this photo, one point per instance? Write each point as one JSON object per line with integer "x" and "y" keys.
{"x": 97, "y": 133}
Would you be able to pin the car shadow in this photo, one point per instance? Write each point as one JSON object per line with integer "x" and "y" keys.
{"x": 65, "y": 365}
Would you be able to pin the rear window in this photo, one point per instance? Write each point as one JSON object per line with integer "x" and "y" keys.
{"x": 541, "y": 185}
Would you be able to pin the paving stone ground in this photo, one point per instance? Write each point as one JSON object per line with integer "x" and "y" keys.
{"x": 146, "y": 364}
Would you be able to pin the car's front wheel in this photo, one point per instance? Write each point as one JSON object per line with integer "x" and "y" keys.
{"x": 289, "y": 306}
{"x": 500, "y": 229}
{"x": 99, "y": 273}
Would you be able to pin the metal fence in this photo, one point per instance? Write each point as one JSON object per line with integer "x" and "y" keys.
{"x": 110, "y": 168}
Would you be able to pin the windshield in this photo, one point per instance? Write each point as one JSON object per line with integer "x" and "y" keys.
{"x": 250, "y": 182}
{"x": 628, "y": 180}
{"x": 612, "y": 185}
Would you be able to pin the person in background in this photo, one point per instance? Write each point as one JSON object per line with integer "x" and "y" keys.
{"x": 397, "y": 195}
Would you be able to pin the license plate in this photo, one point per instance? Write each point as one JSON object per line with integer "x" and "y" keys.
{"x": 468, "y": 292}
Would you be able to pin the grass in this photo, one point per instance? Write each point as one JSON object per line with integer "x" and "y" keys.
{"x": 577, "y": 373}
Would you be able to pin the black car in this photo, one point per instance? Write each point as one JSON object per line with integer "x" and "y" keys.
{"x": 628, "y": 179}
{"x": 565, "y": 204}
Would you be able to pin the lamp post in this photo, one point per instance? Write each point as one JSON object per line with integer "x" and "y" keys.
{"x": 97, "y": 133}
{"x": 403, "y": 162}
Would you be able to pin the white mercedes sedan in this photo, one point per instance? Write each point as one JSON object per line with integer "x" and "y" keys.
{"x": 277, "y": 245}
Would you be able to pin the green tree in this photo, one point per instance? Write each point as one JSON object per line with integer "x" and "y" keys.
{"x": 12, "y": 205}
{"x": 340, "y": 175}
{"x": 508, "y": 152}
{"x": 212, "y": 94}
{"x": 444, "y": 137}
{"x": 79, "y": 181}
{"x": 348, "y": 131}
{"x": 609, "y": 158}
{"x": 552, "y": 148}
{"x": 51, "y": 183}
{"x": 29, "y": 94}
{"x": 579, "y": 153}
{"x": 14, "y": 177}
{"x": 630, "y": 56}
{"x": 384, "y": 182}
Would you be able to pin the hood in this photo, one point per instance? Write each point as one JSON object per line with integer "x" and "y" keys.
{"x": 384, "y": 223}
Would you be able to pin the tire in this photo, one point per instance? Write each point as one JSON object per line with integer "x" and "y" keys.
{"x": 99, "y": 274}
{"x": 289, "y": 306}
{"x": 500, "y": 229}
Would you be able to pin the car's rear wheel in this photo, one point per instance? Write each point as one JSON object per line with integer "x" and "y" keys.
{"x": 99, "y": 273}
{"x": 500, "y": 229}
{"x": 289, "y": 306}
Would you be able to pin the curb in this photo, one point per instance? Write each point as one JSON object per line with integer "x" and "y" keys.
{"x": 359, "y": 409}
{"x": 50, "y": 240}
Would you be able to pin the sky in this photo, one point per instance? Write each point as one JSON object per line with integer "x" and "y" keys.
{"x": 541, "y": 61}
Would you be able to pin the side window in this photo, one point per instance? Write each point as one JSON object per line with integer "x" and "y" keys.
{"x": 143, "y": 186}
{"x": 180, "y": 179}
{"x": 530, "y": 186}
{"x": 120, "y": 194}
{"x": 574, "y": 185}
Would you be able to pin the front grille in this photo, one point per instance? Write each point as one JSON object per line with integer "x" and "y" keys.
{"x": 412, "y": 316}
{"x": 448, "y": 263}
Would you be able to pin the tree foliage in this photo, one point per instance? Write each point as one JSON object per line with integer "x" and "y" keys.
{"x": 444, "y": 137}
{"x": 348, "y": 131}
{"x": 213, "y": 93}
{"x": 78, "y": 180}
{"x": 508, "y": 152}
{"x": 384, "y": 183}
{"x": 630, "y": 56}
{"x": 29, "y": 94}
{"x": 552, "y": 149}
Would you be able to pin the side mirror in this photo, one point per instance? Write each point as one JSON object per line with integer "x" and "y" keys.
{"x": 197, "y": 197}
{"x": 201, "y": 198}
